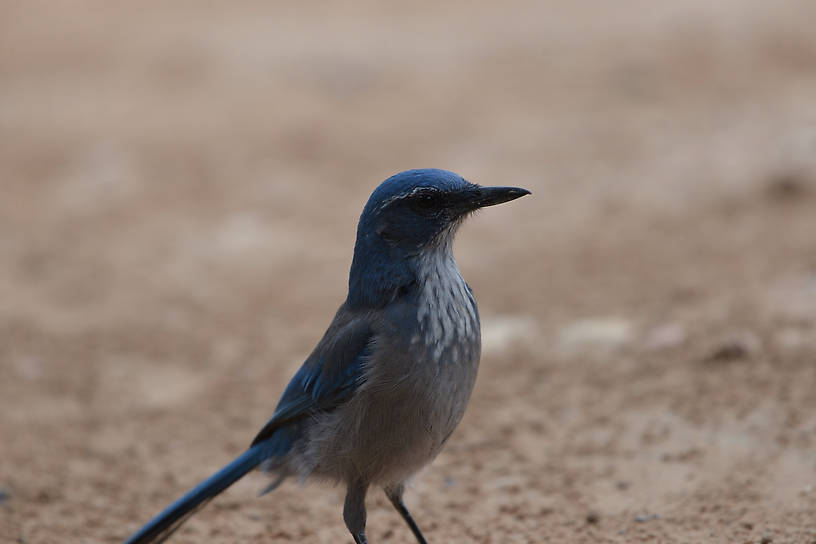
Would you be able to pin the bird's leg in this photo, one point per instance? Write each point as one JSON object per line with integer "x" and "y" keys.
{"x": 395, "y": 496}
{"x": 354, "y": 510}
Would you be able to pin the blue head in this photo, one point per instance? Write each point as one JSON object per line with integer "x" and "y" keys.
{"x": 410, "y": 213}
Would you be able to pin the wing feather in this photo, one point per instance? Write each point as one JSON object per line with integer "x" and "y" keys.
{"x": 329, "y": 377}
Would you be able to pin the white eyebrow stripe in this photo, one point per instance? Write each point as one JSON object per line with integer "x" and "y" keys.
{"x": 412, "y": 192}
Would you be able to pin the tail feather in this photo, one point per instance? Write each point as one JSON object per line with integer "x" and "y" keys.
{"x": 165, "y": 524}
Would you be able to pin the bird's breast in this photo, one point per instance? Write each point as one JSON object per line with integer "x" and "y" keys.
{"x": 447, "y": 316}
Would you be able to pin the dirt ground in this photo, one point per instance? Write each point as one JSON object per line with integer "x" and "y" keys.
{"x": 180, "y": 185}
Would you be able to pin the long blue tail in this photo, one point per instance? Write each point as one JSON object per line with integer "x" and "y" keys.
{"x": 162, "y": 526}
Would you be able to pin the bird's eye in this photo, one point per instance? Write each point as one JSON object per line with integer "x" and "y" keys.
{"x": 426, "y": 200}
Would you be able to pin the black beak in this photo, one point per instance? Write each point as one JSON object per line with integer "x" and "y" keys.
{"x": 482, "y": 197}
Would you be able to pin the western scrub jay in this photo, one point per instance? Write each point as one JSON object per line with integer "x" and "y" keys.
{"x": 389, "y": 381}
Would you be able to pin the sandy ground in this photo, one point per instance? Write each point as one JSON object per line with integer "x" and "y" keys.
{"x": 180, "y": 187}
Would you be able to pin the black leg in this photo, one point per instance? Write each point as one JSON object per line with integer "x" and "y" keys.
{"x": 354, "y": 511}
{"x": 395, "y": 496}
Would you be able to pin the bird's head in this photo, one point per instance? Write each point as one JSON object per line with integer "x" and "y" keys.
{"x": 409, "y": 214}
{"x": 417, "y": 210}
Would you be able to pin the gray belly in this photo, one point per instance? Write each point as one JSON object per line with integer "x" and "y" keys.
{"x": 400, "y": 418}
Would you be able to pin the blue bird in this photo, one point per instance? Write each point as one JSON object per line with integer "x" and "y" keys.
{"x": 390, "y": 379}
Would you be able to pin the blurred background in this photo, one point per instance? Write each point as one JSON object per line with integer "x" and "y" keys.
{"x": 179, "y": 189}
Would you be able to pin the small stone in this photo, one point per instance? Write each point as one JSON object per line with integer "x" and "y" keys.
{"x": 5, "y": 494}
{"x": 500, "y": 333}
{"x": 598, "y": 334}
{"x": 737, "y": 346}
{"x": 785, "y": 186}
{"x": 593, "y": 518}
{"x": 643, "y": 518}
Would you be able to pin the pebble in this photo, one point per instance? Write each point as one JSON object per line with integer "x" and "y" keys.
{"x": 597, "y": 334}
{"x": 735, "y": 347}
{"x": 500, "y": 333}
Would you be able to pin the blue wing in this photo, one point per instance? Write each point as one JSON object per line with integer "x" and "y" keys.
{"x": 329, "y": 376}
